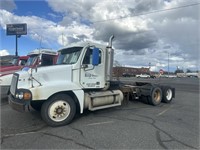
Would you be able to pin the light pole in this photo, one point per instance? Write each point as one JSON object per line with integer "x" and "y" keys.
{"x": 16, "y": 51}
{"x": 168, "y": 64}
{"x": 149, "y": 68}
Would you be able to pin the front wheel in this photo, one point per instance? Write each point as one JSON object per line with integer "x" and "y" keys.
{"x": 58, "y": 110}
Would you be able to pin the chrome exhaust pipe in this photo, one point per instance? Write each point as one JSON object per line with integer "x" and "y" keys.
{"x": 110, "y": 41}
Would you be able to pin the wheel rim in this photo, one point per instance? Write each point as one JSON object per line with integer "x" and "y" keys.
{"x": 59, "y": 110}
{"x": 157, "y": 96}
{"x": 168, "y": 94}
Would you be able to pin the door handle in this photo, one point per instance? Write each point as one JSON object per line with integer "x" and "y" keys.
{"x": 84, "y": 66}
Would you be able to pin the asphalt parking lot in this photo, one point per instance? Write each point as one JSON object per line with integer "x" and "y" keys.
{"x": 135, "y": 125}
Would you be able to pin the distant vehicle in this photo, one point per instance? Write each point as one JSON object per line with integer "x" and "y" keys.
{"x": 168, "y": 76}
{"x": 192, "y": 74}
{"x": 126, "y": 75}
{"x": 143, "y": 76}
{"x": 152, "y": 76}
{"x": 41, "y": 57}
{"x": 172, "y": 76}
{"x": 36, "y": 58}
{"x": 11, "y": 64}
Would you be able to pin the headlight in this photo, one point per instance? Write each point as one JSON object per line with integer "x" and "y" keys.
{"x": 23, "y": 94}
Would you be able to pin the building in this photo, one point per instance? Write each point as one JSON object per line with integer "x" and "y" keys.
{"x": 128, "y": 71}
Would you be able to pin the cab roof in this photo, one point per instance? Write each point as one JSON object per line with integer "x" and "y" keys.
{"x": 82, "y": 44}
{"x": 42, "y": 51}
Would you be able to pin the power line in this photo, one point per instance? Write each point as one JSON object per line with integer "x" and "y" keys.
{"x": 151, "y": 12}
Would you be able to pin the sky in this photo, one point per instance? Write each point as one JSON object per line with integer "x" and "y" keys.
{"x": 155, "y": 33}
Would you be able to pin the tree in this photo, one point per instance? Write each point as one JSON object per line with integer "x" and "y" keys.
{"x": 188, "y": 71}
{"x": 178, "y": 71}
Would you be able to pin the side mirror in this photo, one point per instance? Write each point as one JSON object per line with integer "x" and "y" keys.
{"x": 95, "y": 56}
{"x": 39, "y": 60}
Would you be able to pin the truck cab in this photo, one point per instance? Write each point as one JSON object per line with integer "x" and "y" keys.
{"x": 84, "y": 71}
{"x": 41, "y": 57}
{"x": 80, "y": 79}
{"x": 11, "y": 64}
{"x": 36, "y": 58}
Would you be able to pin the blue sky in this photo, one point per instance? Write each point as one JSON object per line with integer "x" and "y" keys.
{"x": 139, "y": 39}
{"x": 25, "y": 43}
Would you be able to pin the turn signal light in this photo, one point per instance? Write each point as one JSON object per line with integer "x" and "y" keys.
{"x": 27, "y": 96}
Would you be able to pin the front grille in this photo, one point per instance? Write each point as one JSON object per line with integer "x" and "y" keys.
{"x": 14, "y": 84}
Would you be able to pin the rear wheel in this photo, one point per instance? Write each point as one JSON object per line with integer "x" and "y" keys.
{"x": 155, "y": 97}
{"x": 59, "y": 110}
{"x": 167, "y": 95}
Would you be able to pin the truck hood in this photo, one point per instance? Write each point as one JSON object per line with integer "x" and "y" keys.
{"x": 44, "y": 75}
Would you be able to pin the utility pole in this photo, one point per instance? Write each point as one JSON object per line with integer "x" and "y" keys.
{"x": 168, "y": 64}
{"x": 63, "y": 39}
{"x": 149, "y": 68}
{"x": 40, "y": 42}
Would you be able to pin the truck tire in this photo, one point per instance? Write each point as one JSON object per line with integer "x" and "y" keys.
{"x": 167, "y": 95}
{"x": 155, "y": 97}
{"x": 58, "y": 110}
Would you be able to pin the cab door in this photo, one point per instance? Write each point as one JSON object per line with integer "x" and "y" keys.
{"x": 92, "y": 76}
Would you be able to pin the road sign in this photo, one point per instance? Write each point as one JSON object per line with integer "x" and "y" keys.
{"x": 161, "y": 71}
{"x": 16, "y": 29}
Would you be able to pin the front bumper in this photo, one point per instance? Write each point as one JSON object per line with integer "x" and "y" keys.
{"x": 4, "y": 91}
{"x": 18, "y": 105}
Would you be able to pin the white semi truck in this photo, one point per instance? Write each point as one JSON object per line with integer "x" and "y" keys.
{"x": 82, "y": 79}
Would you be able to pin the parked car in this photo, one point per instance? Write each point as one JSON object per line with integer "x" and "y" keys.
{"x": 143, "y": 76}
{"x": 153, "y": 76}
{"x": 126, "y": 75}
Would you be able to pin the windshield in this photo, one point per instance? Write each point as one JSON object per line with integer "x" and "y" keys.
{"x": 15, "y": 61}
{"x": 69, "y": 55}
{"x": 8, "y": 60}
{"x": 31, "y": 60}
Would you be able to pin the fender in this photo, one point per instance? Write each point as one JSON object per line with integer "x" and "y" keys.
{"x": 45, "y": 91}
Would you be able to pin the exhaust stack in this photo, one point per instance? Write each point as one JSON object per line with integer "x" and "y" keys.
{"x": 109, "y": 61}
{"x": 110, "y": 41}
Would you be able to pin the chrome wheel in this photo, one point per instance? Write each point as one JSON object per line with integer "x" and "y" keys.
{"x": 169, "y": 94}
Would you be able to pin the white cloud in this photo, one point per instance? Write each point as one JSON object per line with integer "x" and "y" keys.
{"x": 46, "y": 31}
{"x": 141, "y": 39}
{"x": 4, "y": 52}
{"x": 8, "y": 5}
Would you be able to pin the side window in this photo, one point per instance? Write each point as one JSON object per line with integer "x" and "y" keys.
{"x": 88, "y": 56}
{"x": 23, "y": 62}
{"x": 47, "y": 60}
{"x": 100, "y": 56}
